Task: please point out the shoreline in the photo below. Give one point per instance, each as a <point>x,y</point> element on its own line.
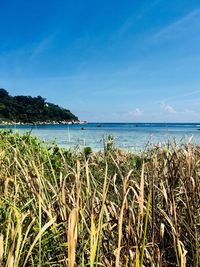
<point>12,123</point>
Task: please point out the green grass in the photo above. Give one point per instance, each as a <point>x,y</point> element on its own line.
<point>110,208</point>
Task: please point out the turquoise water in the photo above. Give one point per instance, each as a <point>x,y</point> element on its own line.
<point>131,136</point>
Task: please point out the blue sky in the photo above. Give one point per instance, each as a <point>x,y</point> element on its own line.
<point>105,60</point>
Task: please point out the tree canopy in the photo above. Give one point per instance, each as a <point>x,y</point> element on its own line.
<point>28,109</point>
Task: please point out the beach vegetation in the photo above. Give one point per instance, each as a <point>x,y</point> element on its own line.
<point>62,207</point>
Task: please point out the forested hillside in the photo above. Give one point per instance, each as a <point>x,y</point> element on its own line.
<point>28,109</point>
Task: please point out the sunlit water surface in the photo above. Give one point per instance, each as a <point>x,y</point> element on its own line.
<point>130,136</point>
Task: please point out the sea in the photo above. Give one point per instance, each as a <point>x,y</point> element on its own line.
<point>128,136</point>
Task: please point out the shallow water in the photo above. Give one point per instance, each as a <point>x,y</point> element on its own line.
<point>130,136</point>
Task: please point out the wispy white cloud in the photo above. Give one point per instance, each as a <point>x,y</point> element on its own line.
<point>181,96</point>
<point>130,115</point>
<point>177,24</point>
<point>129,22</point>
<point>167,108</point>
<point>135,112</point>
<point>168,112</point>
<point>40,47</point>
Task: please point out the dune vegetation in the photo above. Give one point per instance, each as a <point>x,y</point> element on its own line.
<point>111,208</point>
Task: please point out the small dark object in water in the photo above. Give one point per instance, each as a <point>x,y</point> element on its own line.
<point>82,128</point>
<point>198,129</point>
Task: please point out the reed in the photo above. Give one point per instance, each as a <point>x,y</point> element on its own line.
<point>110,208</point>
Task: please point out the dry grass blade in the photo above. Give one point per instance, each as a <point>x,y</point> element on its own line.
<point>93,242</point>
<point>182,253</point>
<point>72,236</point>
<point>120,234</point>
<point>141,195</point>
<point>10,262</point>
<point>1,247</point>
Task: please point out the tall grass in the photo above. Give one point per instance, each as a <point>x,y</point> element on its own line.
<point>111,208</point>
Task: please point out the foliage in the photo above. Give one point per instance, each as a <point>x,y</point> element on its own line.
<point>63,208</point>
<point>87,151</point>
<point>29,109</point>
